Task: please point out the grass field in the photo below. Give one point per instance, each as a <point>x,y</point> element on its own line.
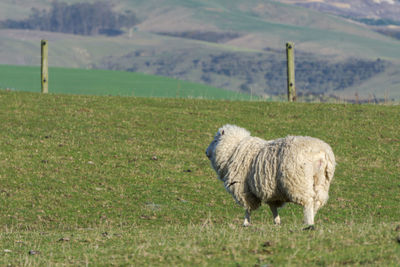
<point>95,180</point>
<point>105,82</point>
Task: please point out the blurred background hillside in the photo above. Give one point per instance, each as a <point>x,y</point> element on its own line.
<point>344,49</point>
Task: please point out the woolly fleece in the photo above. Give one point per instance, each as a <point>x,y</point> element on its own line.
<point>296,169</point>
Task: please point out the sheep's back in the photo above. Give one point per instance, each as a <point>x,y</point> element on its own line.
<point>262,178</point>
<point>283,163</point>
<point>241,160</point>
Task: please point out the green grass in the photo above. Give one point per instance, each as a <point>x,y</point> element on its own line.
<point>124,181</point>
<point>103,82</point>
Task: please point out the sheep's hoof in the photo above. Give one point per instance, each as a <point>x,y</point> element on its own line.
<point>246,224</point>
<point>309,228</point>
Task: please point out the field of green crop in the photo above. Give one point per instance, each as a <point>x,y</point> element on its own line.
<point>101,181</point>
<point>104,82</point>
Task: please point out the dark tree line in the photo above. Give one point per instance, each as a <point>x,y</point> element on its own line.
<point>208,36</point>
<point>377,22</point>
<point>252,72</point>
<point>337,76</point>
<point>312,75</point>
<point>394,33</point>
<point>80,18</point>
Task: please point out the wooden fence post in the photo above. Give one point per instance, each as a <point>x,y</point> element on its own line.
<point>290,72</point>
<point>44,67</point>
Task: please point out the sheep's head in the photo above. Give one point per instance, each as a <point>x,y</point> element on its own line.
<point>225,141</point>
<point>211,149</point>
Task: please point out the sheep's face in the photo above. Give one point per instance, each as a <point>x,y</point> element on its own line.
<point>210,152</point>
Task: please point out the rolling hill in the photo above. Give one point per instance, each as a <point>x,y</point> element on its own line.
<point>105,82</point>
<point>373,9</point>
<point>185,39</point>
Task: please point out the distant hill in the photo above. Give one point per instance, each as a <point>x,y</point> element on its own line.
<point>382,16</point>
<point>372,9</point>
<point>232,44</point>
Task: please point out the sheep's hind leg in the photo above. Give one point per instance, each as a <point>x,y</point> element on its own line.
<point>274,209</point>
<point>246,222</point>
<point>309,215</point>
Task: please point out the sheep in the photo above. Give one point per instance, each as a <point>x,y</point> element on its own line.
<point>297,169</point>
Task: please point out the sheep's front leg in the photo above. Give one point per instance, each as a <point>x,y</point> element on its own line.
<point>274,209</point>
<point>247,218</point>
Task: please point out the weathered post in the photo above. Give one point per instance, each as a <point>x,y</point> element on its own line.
<point>290,72</point>
<point>44,67</point>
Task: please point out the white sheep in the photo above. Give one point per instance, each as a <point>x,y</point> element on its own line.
<point>296,169</point>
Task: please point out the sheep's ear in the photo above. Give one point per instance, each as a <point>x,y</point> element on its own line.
<point>222,132</point>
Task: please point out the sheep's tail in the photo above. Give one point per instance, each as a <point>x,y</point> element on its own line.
<point>323,180</point>
<point>330,165</point>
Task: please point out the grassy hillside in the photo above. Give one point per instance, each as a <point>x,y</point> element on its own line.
<point>201,62</point>
<point>273,24</point>
<point>103,82</point>
<point>124,181</point>
<point>269,23</point>
<point>262,27</point>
